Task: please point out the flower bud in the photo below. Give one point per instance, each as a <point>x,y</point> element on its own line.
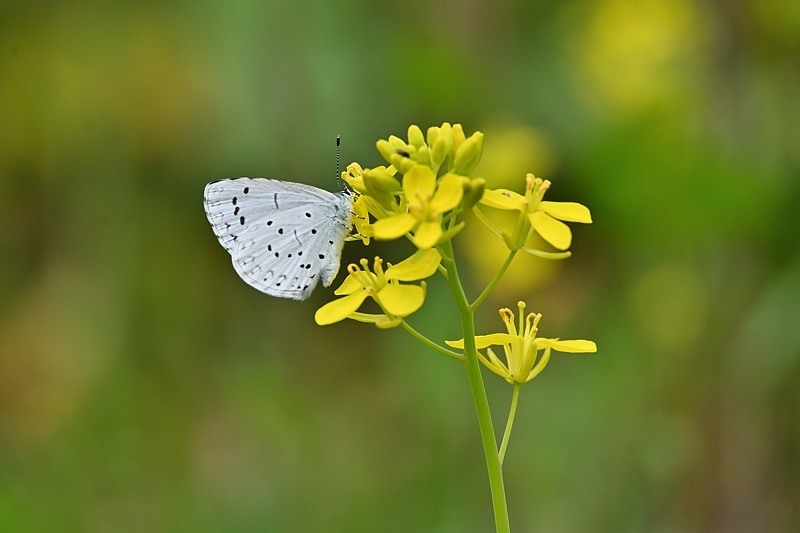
<point>439,150</point>
<point>473,192</point>
<point>468,154</point>
<point>433,134</point>
<point>385,149</point>
<point>398,143</point>
<point>415,137</point>
<point>402,163</point>
<point>379,180</point>
<point>423,156</point>
<point>458,139</point>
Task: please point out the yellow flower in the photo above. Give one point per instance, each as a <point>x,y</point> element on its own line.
<point>544,217</point>
<point>427,201</point>
<point>375,189</point>
<point>522,347</point>
<point>396,300</point>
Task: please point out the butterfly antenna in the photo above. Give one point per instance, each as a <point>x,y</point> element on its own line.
<point>338,174</point>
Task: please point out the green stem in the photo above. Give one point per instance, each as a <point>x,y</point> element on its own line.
<point>429,343</point>
<point>510,423</point>
<point>478,394</point>
<point>495,280</point>
<point>485,221</point>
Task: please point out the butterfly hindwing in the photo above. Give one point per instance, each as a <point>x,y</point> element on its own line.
<point>283,258</point>
<point>283,237</point>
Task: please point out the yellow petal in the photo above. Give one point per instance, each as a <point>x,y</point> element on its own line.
<point>542,254</point>
<point>339,309</point>
<point>553,231</point>
<point>401,300</point>
<point>503,199</point>
<point>421,265</point>
<point>348,286</point>
<point>567,211</point>
<point>495,365</point>
<point>355,182</point>
<point>381,321</point>
<point>394,226</point>
<point>448,194</point>
<point>482,341</point>
<point>427,235</point>
<point>574,346</point>
<point>419,180</point>
<point>539,366</point>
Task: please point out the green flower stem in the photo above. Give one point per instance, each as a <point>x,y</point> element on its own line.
<point>478,394</point>
<point>429,343</point>
<point>485,221</point>
<point>492,284</point>
<point>510,423</point>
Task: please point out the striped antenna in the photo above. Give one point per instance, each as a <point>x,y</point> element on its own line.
<point>338,174</point>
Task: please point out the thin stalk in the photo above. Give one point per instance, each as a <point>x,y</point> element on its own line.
<point>478,390</point>
<point>495,280</point>
<point>510,423</point>
<point>429,343</point>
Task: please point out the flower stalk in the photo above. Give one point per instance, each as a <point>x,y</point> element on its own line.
<point>478,390</point>
<point>512,411</point>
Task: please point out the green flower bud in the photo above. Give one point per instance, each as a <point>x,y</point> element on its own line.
<point>423,156</point>
<point>385,149</point>
<point>402,163</point>
<point>380,185</point>
<point>415,137</point>
<point>473,192</point>
<point>398,143</point>
<point>439,150</point>
<point>458,139</point>
<point>379,179</point>
<point>433,134</point>
<point>468,154</point>
<point>446,131</point>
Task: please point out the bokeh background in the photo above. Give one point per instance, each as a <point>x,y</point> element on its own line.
<point>145,387</point>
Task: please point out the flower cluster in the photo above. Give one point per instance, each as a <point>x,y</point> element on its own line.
<point>418,196</point>
<point>421,194</point>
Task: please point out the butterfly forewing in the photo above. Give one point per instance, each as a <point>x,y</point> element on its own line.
<point>283,237</point>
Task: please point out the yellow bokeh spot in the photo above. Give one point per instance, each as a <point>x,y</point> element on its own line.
<point>636,53</point>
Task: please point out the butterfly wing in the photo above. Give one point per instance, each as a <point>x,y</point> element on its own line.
<point>283,237</point>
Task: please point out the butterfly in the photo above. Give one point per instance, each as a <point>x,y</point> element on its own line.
<point>283,237</point>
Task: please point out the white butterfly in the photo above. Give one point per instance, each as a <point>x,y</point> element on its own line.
<point>283,237</point>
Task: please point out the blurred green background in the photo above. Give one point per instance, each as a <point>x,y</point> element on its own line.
<point>145,387</point>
